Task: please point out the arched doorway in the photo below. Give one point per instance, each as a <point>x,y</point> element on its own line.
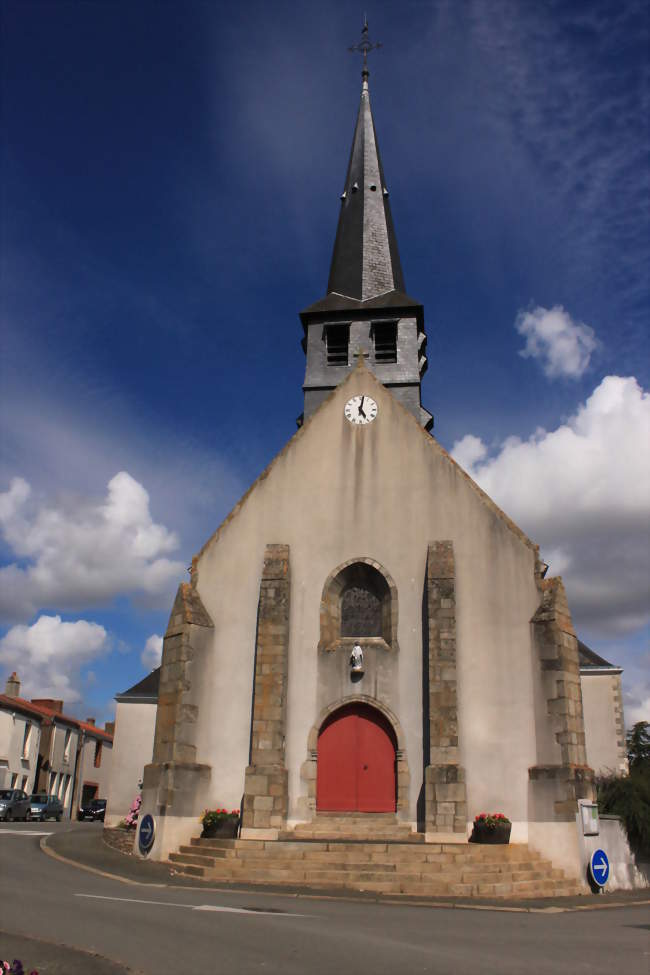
<point>356,762</point>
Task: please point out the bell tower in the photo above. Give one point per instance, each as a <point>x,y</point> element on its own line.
<point>366,310</point>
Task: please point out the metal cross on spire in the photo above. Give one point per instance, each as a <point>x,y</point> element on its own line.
<point>365,46</point>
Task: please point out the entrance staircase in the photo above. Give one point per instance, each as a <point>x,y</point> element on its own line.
<point>376,854</point>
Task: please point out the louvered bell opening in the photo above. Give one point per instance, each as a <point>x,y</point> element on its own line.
<point>385,338</point>
<point>337,342</point>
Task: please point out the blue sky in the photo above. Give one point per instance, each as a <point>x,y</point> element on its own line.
<point>170,183</point>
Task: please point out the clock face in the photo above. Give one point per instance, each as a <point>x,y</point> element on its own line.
<point>360,409</point>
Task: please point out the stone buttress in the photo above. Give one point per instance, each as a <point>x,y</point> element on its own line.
<point>556,787</point>
<point>175,784</point>
<point>444,778</point>
<point>266,781</point>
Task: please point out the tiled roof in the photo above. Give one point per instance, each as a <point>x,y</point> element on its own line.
<point>38,711</point>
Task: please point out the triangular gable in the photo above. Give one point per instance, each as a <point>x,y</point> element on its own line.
<point>428,441</point>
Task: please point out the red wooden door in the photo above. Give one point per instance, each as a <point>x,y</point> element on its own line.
<point>356,762</point>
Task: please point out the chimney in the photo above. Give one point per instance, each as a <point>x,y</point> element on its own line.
<point>12,687</point>
<point>90,721</point>
<point>109,727</point>
<point>49,703</point>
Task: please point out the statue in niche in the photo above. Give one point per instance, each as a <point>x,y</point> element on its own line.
<point>356,659</point>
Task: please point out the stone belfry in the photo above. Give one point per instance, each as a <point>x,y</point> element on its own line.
<point>366,310</point>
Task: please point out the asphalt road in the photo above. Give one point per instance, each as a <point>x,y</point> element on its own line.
<point>157,929</point>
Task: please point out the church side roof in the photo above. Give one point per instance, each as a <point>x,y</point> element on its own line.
<point>365,261</point>
<point>144,691</point>
<point>590,660</point>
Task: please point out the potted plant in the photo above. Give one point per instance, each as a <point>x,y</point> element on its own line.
<point>220,822</point>
<point>491,828</point>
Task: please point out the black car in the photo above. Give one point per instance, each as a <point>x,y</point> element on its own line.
<point>95,809</point>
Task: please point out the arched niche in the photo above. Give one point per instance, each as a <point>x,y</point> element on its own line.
<point>359,603</point>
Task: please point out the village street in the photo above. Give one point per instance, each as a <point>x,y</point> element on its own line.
<point>161,927</point>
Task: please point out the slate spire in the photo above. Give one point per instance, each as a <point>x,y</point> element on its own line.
<point>365,262</point>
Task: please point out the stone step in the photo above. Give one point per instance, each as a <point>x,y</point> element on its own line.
<point>333,874</point>
<point>390,867</point>
<point>520,870</point>
<point>410,885</point>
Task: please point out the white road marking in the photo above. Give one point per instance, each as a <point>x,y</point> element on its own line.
<point>191,907</point>
<point>22,832</point>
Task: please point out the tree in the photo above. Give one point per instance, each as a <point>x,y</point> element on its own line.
<point>638,747</point>
<point>628,796</point>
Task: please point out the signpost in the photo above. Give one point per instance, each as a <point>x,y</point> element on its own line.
<point>147,834</point>
<point>599,867</point>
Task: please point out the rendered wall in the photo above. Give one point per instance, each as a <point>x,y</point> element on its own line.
<point>604,728</point>
<point>132,750</point>
<point>88,772</point>
<point>384,491</point>
<point>12,735</point>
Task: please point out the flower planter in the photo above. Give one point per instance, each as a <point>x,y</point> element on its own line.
<point>225,830</point>
<point>499,834</point>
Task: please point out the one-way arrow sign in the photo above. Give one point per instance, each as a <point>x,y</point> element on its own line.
<point>599,867</point>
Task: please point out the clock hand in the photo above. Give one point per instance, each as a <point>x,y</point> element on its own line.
<point>361,413</point>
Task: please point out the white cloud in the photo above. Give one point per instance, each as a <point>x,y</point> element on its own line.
<point>583,493</point>
<point>562,346</point>
<point>152,653</point>
<point>79,552</point>
<point>48,655</point>
<point>637,712</point>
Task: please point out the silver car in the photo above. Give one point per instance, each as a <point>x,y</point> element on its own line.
<point>43,807</point>
<point>14,804</point>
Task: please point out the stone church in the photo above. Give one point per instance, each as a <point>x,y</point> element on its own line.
<point>367,632</point>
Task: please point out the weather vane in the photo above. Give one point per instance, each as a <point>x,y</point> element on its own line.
<point>365,46</point>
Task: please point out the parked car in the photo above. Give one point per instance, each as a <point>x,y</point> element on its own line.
<point>14,804</point>
<point>43,806</point>
<point>95,809</point>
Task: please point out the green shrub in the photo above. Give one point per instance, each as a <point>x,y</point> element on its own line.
<point>629,796</point>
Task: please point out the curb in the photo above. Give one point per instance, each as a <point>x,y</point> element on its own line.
<point>347,896</point>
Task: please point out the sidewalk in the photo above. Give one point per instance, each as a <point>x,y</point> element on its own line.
<point>48,958</point>
<point>89,851</point>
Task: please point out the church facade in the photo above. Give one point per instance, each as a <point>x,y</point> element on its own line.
<point>367,632</point>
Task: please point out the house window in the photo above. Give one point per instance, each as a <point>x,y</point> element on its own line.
<point>27,739</point>
<point>52,783</point>
<point>14,780</point>
<point>98,754</point>
<point>23,785</point>
<point>337,341</point>
<point>385,338</point>
<point>66,791</point>
<point>66,746</point>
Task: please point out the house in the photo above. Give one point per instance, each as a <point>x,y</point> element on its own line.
<point>20,734</point>
<point>44,750</point>
<point>135,719</point>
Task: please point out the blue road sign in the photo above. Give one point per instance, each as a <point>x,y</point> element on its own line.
<point>147,833</point>
<point>599,867</point>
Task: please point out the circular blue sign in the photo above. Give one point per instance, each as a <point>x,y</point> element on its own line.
<point>146,834</point>
<point>599,867</point>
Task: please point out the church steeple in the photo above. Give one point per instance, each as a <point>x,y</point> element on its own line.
<point>366,310</point>
<point>365,262</point>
